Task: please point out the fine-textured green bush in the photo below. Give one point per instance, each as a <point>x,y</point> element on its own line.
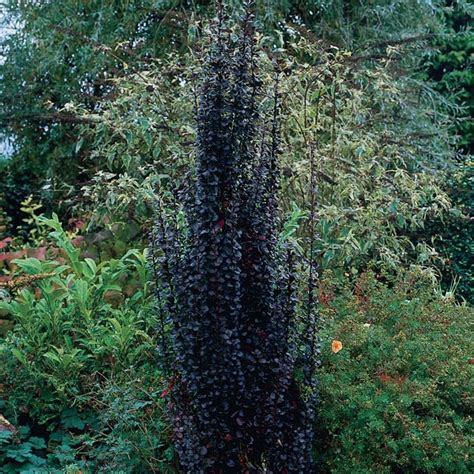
<point>454,235</point>
<point>396,397</point>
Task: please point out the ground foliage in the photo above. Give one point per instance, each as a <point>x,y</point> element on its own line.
<point>391,397</point>
<point>80,382</point>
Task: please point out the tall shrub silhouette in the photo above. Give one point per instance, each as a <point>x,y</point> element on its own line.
<point>241,379</point>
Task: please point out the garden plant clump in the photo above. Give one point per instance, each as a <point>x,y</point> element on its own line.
<point>397,397</point>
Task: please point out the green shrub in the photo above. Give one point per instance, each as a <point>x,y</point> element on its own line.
<point>396,397</point>
<point>136,435</point>
<point>77,367</point>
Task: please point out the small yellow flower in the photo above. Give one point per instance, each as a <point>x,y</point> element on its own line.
<point>336,346</point>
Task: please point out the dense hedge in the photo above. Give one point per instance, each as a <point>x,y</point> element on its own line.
<point>450,69</point>
<point>397,397</point>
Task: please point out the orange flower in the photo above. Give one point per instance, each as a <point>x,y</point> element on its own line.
<point>336,346</point>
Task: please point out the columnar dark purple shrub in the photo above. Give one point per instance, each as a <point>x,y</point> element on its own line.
<point>242,381</point>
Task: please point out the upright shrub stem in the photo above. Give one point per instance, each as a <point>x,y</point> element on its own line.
<point>230,288</point>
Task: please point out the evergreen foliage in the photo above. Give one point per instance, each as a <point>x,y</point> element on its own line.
<point>397,396</point>
<point>451,67</point>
